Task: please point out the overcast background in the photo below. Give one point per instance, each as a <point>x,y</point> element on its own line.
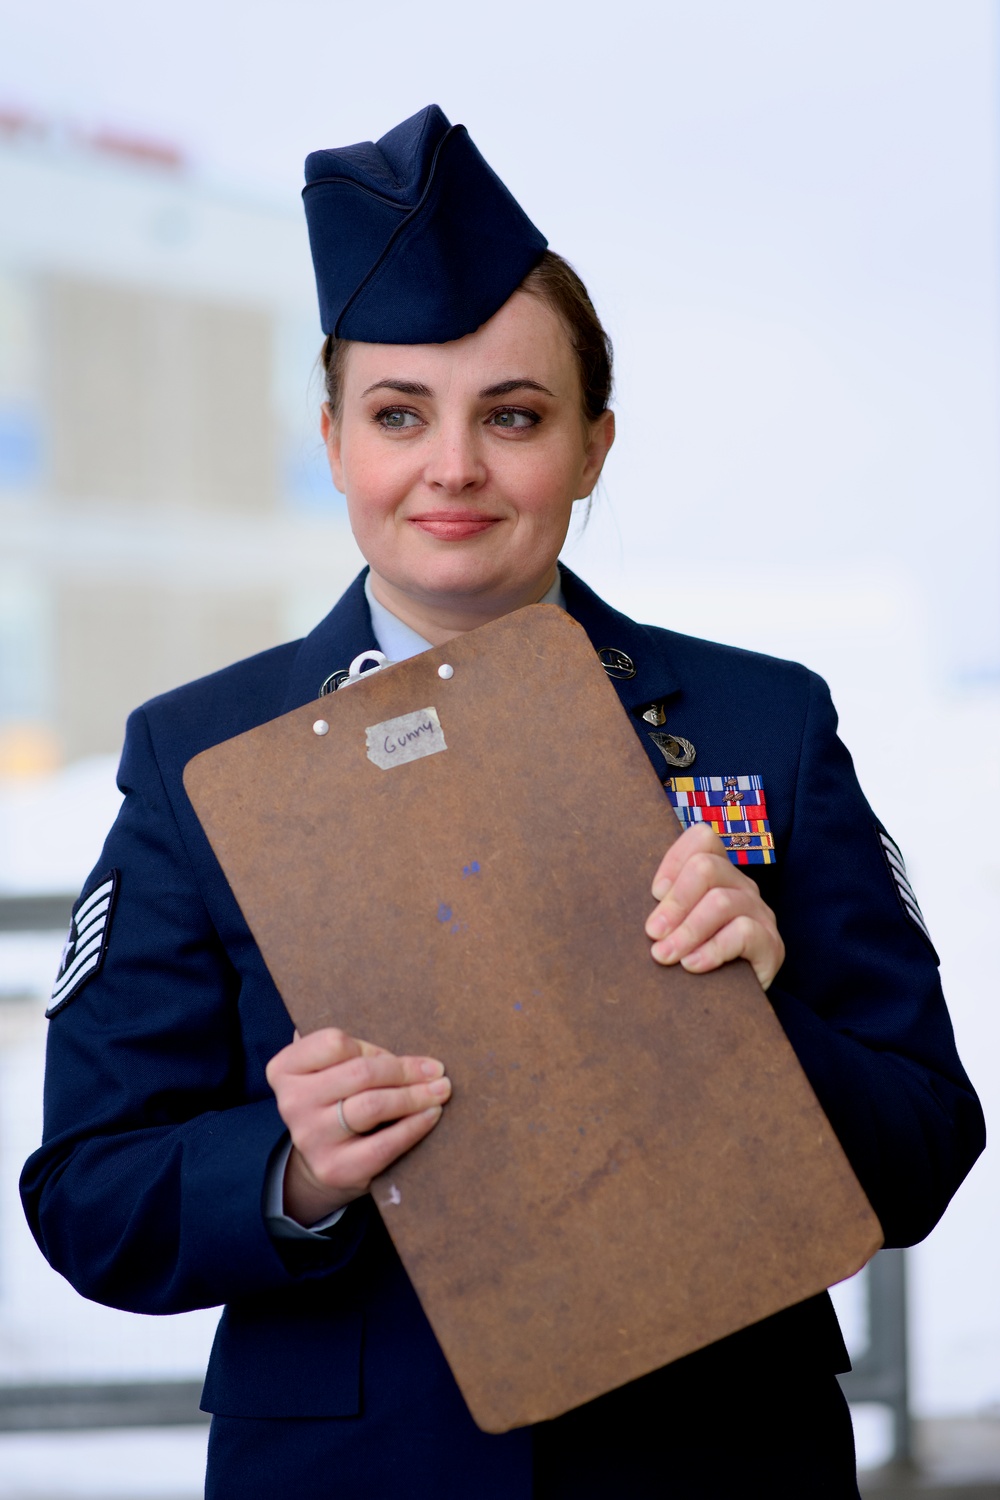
<point>786,213</point>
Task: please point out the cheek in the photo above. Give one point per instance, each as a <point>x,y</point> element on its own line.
<point>375,481</point>
<point>545,480</point>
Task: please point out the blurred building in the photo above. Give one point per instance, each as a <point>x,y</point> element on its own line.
<point>165,505</point>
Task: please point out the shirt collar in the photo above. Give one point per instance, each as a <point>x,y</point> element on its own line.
<point>399,641</point>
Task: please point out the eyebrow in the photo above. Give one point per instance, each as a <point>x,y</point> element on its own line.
<point>506,387</point>
<point>503,388</point>
<point>404,387</point>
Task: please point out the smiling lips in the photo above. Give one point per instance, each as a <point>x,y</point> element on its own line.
<point>453,526</point>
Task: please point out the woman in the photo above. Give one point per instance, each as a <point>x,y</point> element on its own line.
<point>196,1152</point>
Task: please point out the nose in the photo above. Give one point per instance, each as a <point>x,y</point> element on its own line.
<point>454,463</point>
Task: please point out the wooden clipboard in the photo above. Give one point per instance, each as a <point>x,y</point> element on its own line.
<point>633,1164</point>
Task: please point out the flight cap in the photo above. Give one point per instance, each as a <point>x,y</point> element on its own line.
<point>415,240</point>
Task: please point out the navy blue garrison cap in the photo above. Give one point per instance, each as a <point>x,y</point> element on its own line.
<point>414,238</point>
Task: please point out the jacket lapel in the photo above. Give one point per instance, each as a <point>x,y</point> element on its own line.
<point>336,641</point>
<point>654,678</point>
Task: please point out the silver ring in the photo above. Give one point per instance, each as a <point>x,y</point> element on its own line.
<point>342,1122</point>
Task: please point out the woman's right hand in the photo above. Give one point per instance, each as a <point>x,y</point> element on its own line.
<point>328,1166</point>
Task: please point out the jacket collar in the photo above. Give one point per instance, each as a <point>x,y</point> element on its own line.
<point>333,644</point>
<point>605,626</point>
<point>654,679</point>
<point>347,631</point>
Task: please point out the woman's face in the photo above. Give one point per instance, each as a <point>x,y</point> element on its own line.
<point>460,463</point>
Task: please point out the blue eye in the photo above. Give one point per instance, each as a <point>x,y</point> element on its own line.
<point>512,420</point>
<point>396,418</point>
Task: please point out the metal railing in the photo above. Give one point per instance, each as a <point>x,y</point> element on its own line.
<point>35,913</point>
<point>881,1372</point>
<point>138,1403</point>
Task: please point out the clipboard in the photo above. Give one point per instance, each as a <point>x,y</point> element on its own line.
<point>633,1164</point>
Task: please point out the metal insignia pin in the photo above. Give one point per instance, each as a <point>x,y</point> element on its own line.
<point>333,682</point>
<point>675,749</point>
<point>653,713</point>
<point>617,664</point>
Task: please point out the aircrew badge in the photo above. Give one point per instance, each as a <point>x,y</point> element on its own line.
<point>734,806</point>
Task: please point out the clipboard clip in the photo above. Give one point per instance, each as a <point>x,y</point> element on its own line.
<point>345,675</point>
<point>356,670</point>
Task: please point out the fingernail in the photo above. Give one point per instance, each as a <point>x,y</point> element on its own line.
<point>431,1069</point>
<point>433,1112</point>
<point>440,1089</point>
<point>660,888</point>
<point>656,926</point>
<point>664,953</point>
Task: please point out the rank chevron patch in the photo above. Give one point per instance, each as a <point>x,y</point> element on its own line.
<point>897,869</point>
<point>87,943</point>
<point>735,806</point>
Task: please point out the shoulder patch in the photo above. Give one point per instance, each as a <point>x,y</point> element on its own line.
<point>87,942</point>
<point>735,806</point>
<point>904,890</point>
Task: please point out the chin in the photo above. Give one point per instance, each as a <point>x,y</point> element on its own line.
<point>465,571</point>
<point>462,582</point>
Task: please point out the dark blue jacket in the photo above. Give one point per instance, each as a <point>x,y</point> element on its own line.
<point>146,1193</point>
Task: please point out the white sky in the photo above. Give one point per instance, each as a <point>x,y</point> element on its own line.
<point>786,213</point>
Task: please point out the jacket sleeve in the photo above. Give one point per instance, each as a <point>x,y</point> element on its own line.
<point>147,1191</point>
<point>859,996</point>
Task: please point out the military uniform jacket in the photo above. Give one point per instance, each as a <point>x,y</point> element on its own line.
<point>159,1124</point>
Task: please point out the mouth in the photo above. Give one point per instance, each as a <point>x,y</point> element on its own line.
<point>453,526</point>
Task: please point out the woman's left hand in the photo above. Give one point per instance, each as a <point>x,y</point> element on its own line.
<point>709,912</point>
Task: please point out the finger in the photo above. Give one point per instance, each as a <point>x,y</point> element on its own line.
<point>700,836</point>
<point>320,1049</point>
<point>304,1098</point>
<point>350,1165</point>
<point>374,1154</point>
<point>718,906</point>
<point>384,1071</point>
<point>365,1046</point>
<point>329,1047</point>
<point>703,870</point>
<point>364,1112</point>
<point>369,1049</point>
<point>741,938</point>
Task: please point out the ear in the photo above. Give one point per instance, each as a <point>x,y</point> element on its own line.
<point>600,436</point>
<point>330,433</point>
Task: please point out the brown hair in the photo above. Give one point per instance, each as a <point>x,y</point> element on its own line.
<point>555,283</point>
